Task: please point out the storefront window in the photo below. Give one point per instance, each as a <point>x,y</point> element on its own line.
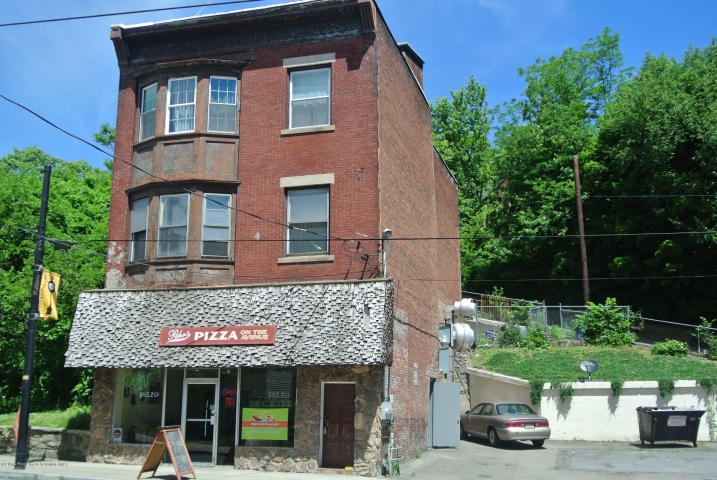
<point>268,398</point>
<point>227,416</point>
<point>138,405</point>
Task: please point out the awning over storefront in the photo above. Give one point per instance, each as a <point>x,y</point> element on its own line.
<point>342,323</point>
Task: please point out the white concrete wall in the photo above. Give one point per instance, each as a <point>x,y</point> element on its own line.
<point>593,413</point>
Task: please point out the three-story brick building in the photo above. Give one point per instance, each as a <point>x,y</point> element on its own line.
<point>283,243</point>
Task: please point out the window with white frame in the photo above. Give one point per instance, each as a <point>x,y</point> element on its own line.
<point>173,218</point>
<point>222,104</point>
<point>216,225</point>
<point>148,112</point>
<point>310,95</point>
<point>138,230</point>
<point>180,105</point>
<point>307,219</point>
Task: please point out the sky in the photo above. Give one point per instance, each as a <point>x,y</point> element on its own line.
<point>67,72</point>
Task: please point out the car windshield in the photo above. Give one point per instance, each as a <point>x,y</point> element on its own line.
<point>513,408</point>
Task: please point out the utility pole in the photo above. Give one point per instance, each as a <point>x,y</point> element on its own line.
<point>581,231</point>
<point>22,453</point>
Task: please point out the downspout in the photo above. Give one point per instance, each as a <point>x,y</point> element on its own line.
<point>386,369</point>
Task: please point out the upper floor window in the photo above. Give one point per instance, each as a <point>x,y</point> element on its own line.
<point>138,230</point>
<point>180,105</point>
<point>307,219</point>
<point>216,225</point>
<point>148,112</point>
<point>222,104</point>
<point>310,95</point>
<point>173,218</point>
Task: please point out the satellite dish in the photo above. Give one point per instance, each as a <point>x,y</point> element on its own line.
<point>588,366</point>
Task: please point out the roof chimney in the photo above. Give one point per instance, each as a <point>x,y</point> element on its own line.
<point>415,62</point>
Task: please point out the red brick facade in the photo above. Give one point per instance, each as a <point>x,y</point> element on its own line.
<point>377,159</point>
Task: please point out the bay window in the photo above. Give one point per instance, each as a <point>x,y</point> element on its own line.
<point>222,104</point>
<point>173,219</point>
<point>181,103</point>
<point>216,225</point>
<point>138,230</point>
<point>148,112</point>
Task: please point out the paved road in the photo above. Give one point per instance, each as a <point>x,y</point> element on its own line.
<point>471,460</point>
<point>558,460</point>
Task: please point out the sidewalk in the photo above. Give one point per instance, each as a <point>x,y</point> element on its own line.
<point>558,460</point>
<point>65,470</point>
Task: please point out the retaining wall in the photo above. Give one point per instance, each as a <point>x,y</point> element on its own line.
<point>593,413</point>
<point>49,443</point>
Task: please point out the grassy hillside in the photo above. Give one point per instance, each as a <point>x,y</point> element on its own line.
<point>559,364</point>
<point>74,417</point>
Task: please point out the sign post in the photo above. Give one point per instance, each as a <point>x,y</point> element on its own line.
<point>168,439</point>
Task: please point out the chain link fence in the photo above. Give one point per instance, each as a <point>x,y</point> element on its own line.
<point>649,330</point>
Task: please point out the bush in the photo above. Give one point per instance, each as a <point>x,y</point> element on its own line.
<point>672,348</point>
<point>707,337</point>
<point>536,338</point>
<point>510,337</point>
<point>607,325</point>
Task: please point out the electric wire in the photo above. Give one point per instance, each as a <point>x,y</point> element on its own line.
<point>333,238</point>
<point>129,12</point>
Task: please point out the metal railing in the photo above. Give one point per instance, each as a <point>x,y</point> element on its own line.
<point>648,330</point>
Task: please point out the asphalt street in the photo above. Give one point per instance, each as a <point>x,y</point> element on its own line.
<point>472,459</point>
<point>475,459</point>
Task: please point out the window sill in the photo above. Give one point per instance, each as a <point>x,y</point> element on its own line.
<point>306,259</point>
<point>312,129</point>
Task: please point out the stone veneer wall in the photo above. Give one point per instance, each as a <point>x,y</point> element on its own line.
<point>303,457</point>
<point>49,443</point>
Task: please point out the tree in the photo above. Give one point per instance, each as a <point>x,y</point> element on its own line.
<point>78,210</point>
<point>106,137</point>
<point>461,127</point>
<point>658,145</point>
<point>555,119</point>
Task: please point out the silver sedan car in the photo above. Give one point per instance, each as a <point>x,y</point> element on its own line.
<point>505,422</point>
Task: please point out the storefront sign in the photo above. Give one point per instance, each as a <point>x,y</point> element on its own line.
<point>203,336</point>
<point>264,423</point>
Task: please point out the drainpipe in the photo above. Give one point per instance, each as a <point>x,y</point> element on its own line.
<point>384,242</point>
<point>387,232</point>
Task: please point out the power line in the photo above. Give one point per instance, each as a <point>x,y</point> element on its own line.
<point>161,179</point>
<point>130,12</point>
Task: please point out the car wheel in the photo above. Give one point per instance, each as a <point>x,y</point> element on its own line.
<point>464,435</point>
<point>538,443</point>
<point>493,438</point>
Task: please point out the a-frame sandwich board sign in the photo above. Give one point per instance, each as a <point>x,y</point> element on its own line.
<point>168,439</point>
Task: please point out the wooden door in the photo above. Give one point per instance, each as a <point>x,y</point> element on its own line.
<point>338,428</point>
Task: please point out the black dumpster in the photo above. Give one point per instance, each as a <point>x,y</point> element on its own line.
<point>668,423</point>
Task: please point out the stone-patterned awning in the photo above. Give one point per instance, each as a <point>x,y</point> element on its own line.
<point>342,323</point>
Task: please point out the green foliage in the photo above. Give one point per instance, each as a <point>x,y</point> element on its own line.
<point>666,387</point>
<point>78,208</point>
<point>562,364</point>
<point>536,391</point>
<point>510,337</point>
<point>537,338</point>
<point>708,384</point>
<point>82,391</point>
<point>706,336</point>
<point>75,417</point>
<point>565,390</point>
<point>534,187</point>
<point>606,324</point>
<point>671,347</point>
<point>616,387</point>
<point>656,141</point>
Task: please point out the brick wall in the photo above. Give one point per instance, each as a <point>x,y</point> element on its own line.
<point>418,198</point>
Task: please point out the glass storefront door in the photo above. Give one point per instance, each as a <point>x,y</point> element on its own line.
<point>199,419</point>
